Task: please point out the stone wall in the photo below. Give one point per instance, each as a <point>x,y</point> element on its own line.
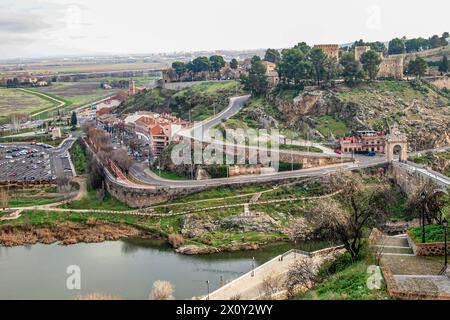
<point>428,249</point>
<point>137,197</point>
<point>331,50</point>
<point>408,181</point>
<point>359,50</point>
<point>391,67</point>
<point>312,161</point>
<point>396,293</point>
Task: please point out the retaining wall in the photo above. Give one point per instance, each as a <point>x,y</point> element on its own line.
<point>428,249</point>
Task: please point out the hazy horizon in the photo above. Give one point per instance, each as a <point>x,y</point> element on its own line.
<point>53,28</point>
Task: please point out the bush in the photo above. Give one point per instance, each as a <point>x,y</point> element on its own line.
<point>162,290</point>
<point>176,240</point>
<point>331,267</point>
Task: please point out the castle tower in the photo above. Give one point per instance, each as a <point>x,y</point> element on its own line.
<point>132,87</point>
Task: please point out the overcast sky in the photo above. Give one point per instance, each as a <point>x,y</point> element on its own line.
<point>30,28</point>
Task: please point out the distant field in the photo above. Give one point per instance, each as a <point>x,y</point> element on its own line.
<point>42,69</point>
<point>76,94</point>
<point>140,81</point>
<point>16,101</point>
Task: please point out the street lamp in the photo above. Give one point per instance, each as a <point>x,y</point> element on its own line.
<point>207,285</point>
<point>423,197</point>
<point>445,225</point>
<point>253,266</point>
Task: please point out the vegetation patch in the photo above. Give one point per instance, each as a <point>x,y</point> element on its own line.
<point>433,233</point>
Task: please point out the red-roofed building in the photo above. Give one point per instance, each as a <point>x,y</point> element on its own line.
<point>158,139</point>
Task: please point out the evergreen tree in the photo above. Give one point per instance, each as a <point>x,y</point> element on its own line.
<point>371,62</point>
<point>73,119</point>
<point>444,64</point>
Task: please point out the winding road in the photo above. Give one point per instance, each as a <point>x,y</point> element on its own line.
<point>141,173</point>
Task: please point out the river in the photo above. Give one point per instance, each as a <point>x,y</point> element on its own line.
<point>125,268</point>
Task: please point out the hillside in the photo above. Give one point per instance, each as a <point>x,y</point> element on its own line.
<point>201,99</point>
<point>421,112</point>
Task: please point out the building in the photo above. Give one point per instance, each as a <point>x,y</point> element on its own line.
<point>391,67</point>
<point>56,133</point>
<point>366,141</point>
<point>373,141</point>
<point>159,140</point>
<point>350,144</point>
<point>158,130</point>
<point>331,50</point>
<point>359,50</point>
<point>272,75</point>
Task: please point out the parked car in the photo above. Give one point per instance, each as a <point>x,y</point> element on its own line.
<point>371,154</point>
<point>338,151</point>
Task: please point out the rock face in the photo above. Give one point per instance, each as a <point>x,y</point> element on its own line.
<point>193,249</point>
<point>193,226</point>
<point>423,114</point>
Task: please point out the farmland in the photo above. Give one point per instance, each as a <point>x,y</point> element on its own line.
<point>42,69</point>
<point>16,101</point>
<point>75,94</point>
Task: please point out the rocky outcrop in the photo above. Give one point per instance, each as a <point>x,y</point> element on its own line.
<point>193,249</point>
<point>193,226</point>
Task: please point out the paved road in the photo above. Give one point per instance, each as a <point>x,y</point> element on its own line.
<point>141,172</point>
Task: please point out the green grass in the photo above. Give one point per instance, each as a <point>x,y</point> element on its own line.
<point>169,175</point>
<point>16,101</point>
<point>222,192</point>
<point>79,158</point>
<point>433,233</point>
<point>300,148</point>
<point>139,80</point>
<point>46,138</point>
<point>24,202</point>
<point>223,237</point>
<point>348,282</point>
<point>328,125</point>
<point>163,225</point>
<point>91,201</point>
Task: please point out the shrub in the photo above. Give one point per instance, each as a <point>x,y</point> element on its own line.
<point>162,290</point>
<point>91,221</point>
<point>176,240</point>
<point>331,267</point>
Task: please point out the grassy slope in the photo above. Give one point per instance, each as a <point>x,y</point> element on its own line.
<point>398,101</point>
<point>200,98</point>
<point>347,284</point>
<point>79,158</point>
<point>91,201</point>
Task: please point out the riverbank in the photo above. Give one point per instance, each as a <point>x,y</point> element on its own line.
<point>67,233</point>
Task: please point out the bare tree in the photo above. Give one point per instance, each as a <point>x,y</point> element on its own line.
<point>299,229</point>
<point>356,209</point>
<point>63,184</point>
<point>162,290</point>
<point>4,198</point>
<point>121,158</point>
<point>301,275</point>
<point>269,287</point>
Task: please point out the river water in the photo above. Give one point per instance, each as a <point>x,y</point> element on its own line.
<point>124,268</point>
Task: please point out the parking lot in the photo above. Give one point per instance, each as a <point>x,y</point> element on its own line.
<point>32,162</point>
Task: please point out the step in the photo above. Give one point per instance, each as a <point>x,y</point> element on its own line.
<point>394,241</point>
